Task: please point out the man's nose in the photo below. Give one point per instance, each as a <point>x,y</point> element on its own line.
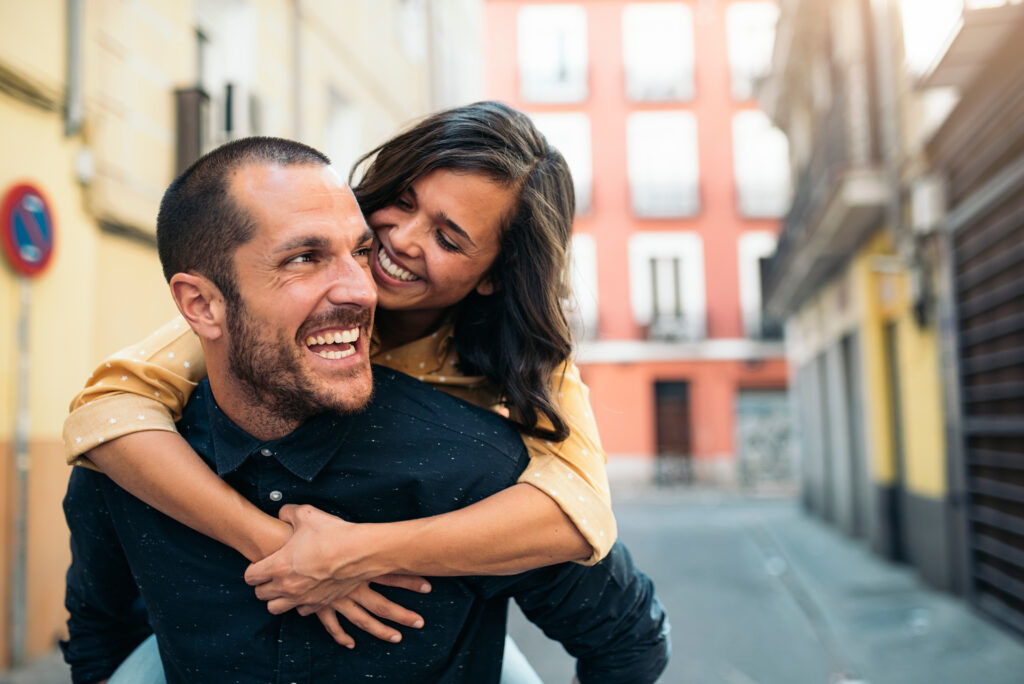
<point>352,284</point>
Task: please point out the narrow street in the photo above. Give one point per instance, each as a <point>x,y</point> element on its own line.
<point>758,592</point>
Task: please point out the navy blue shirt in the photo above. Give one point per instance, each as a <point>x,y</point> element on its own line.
<point>412,452</point>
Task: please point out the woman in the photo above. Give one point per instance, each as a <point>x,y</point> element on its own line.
<point>473,212</point>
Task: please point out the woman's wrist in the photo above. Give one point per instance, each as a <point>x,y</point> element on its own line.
<point>262,536</point>
<point>368,550</point>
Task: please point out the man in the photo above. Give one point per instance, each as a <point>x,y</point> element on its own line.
<point>285,418</point>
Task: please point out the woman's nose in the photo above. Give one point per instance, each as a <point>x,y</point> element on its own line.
<point>406,235</point>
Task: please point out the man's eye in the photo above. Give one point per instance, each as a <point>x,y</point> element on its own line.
<point>303,258</point>
<point>362,252</point>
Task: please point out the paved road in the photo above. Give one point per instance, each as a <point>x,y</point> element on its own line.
<point>759,593</point>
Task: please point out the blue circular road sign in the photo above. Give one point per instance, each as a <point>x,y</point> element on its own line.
<point>27,229</point>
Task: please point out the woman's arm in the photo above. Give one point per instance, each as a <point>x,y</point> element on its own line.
<point>573,472</point>
<point>514,530</point>
<point>161,469</point>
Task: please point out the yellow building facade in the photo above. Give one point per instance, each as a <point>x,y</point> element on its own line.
<point>850,279</point>
<point>99,104</point>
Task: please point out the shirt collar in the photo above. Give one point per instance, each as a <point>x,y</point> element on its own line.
<point>304,452</point>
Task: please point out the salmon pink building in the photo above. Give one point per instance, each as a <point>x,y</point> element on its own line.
<point>680,184</point>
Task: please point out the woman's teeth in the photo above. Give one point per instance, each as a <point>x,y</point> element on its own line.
<point>391,269</point>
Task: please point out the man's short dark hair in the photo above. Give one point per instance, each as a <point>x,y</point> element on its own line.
<point>200,225</point>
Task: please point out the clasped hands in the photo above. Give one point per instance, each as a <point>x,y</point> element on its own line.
<point>325,567</point>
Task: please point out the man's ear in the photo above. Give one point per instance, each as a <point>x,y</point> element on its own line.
<point>201,303</point>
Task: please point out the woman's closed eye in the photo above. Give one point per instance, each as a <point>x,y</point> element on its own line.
<point>446,244</point>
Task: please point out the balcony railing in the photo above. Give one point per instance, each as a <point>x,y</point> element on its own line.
<point>834,155</point>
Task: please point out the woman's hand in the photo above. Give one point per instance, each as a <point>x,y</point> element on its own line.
<point>310,573</point>
<point>360,608</point>
<point>324,560</point>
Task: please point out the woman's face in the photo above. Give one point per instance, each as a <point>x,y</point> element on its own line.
<point>436,243</point>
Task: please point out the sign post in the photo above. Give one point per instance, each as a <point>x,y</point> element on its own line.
<point>27,237</point>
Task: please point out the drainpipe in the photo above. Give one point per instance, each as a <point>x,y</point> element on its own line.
<point>297,69</point>
<point>889,115</point>
<point>74,111</point>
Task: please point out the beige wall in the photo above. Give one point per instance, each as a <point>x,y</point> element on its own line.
<point>103,290</point>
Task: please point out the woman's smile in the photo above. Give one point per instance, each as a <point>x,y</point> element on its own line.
<point>391,268</point>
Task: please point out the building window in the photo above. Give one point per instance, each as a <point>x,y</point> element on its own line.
<point>343,137</point>
<point>662,164</point>
<point>750,34</point>
<point>227,51</point>
<point>666,284</point>
<point>582,308</point>
<point>553,53</point>
<point>761,165</point>
<point>657,46</point>
<point>569,133</point>
<point>752,247</point>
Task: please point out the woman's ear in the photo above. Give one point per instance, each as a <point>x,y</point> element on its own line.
<point>201,303</point>
<point>486,286</point>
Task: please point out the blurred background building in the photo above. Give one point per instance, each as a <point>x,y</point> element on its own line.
<point>101,105</point>
<point>680,182</point>
<point>898,273</point>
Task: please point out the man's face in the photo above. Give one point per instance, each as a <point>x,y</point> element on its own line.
<point>300,336</point>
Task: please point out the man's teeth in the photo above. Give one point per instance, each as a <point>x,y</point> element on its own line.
<point>334,337</point>
<point>391,269</point>
<point>336,354</point>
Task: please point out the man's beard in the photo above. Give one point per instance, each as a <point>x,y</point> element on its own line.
<point>271,369</point>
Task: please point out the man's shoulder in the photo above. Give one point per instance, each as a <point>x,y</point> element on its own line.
<point>417,401</point>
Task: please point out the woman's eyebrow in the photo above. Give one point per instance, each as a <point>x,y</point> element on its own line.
<point>456,227</point>
<point>447,221</point>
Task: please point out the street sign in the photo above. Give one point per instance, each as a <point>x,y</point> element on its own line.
<point>26,229</point>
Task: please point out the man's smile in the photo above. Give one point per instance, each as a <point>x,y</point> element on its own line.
<point>325,343</point>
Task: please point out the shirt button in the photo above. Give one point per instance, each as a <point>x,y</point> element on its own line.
<point>275,495</point>
<point>266,452</point>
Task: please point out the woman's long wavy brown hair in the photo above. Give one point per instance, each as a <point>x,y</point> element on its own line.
<point>519,335</point>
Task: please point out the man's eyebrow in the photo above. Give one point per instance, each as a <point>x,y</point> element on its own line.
<point>366,236</point>
<point>448,222</point>
<point>307,241</point>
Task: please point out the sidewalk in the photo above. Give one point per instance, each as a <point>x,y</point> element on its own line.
<point>759,593</point>
<point>49,669</point>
